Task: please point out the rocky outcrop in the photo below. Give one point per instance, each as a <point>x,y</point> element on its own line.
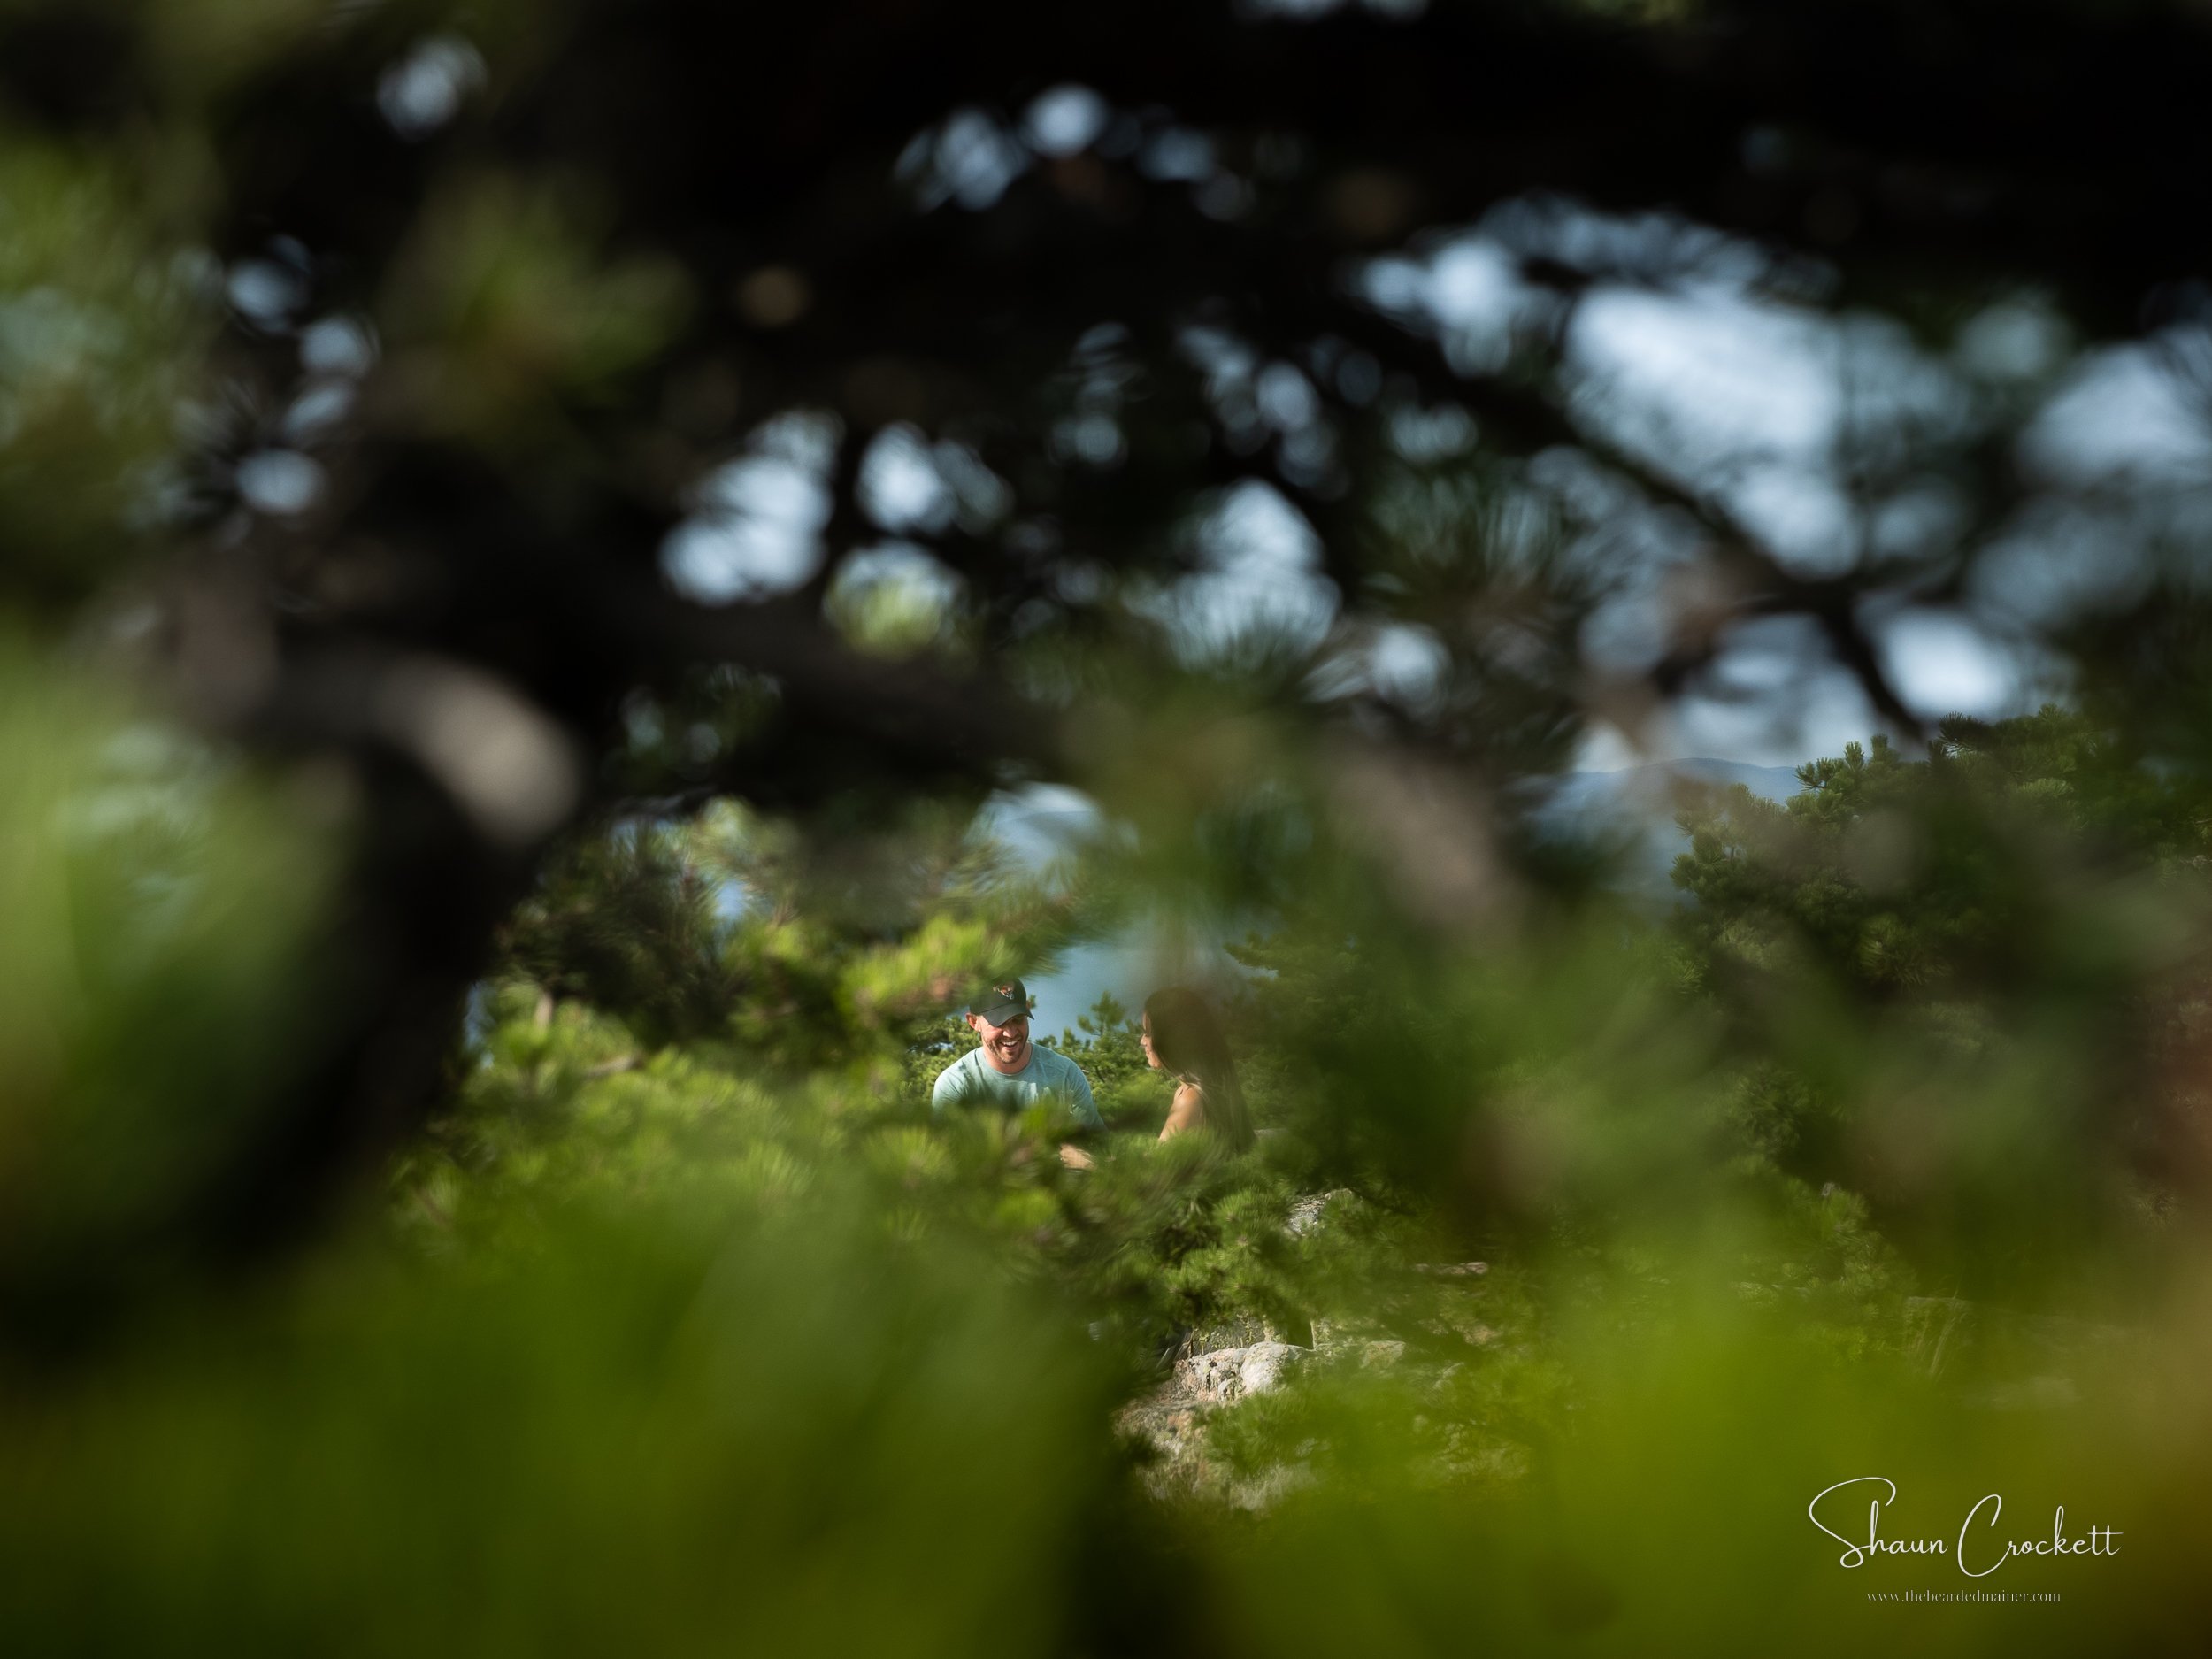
<point>1172,1420</point>
<point>1307,1213</point>
<point>1210,1368</point>
<point>1231,1373</point>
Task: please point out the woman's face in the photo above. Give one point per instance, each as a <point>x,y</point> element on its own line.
<point>1144,1036</point>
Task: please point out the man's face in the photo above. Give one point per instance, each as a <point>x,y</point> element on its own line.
<point>1005,1047</point>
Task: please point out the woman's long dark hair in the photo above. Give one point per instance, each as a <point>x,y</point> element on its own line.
<point>1188,1037</point>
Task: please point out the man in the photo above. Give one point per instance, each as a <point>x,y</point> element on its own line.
<point>1006,1069</point>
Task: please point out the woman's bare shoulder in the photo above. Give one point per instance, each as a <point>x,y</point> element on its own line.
<point>1188,1111</point>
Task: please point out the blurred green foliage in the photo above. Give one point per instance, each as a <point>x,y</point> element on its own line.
<point>689,1326</point>
<point>155,986</point>
<point>686,1324</point>
<point>503,313</point>
<point>1974,985</point>
<point>105,312</point>
<point>759,1434</point>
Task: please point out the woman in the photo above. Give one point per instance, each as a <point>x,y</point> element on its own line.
<point>1182,1038</point>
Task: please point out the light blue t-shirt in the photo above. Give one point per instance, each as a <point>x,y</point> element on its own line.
<point>970,1077</point>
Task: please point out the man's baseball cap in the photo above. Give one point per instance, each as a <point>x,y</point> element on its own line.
<point>1001,1002</point>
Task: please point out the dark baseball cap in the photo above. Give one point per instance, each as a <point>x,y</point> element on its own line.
<point>1002,1001</point>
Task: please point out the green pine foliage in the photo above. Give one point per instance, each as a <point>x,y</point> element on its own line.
<point>687,1287</point>
<point>1985,960</point>
<point>663,1028</point>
